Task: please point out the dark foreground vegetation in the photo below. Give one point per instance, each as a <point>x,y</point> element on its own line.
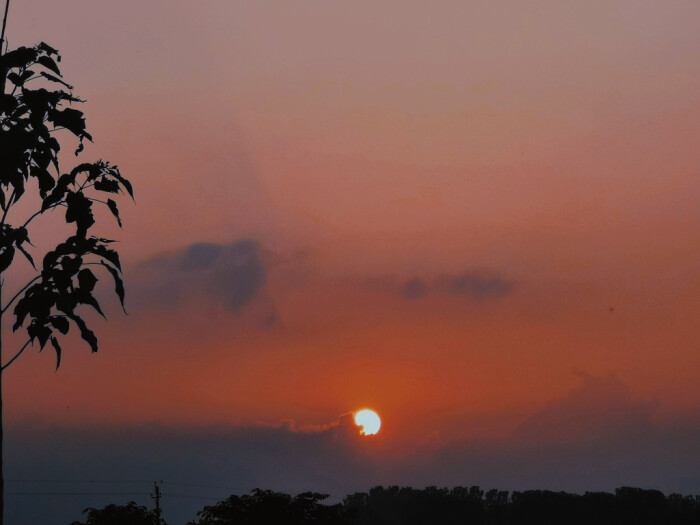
<point>439,506</point>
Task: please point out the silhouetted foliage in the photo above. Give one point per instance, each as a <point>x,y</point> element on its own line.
<point>29,150</point>
<point>405,505</point>
<point>37,107</point>
<point>642,506</point>
<point>129,514</point>
<point>264,507</point>
<point>461,505</point>
<point>496,507</point>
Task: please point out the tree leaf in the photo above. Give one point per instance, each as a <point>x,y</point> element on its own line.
<point>20,235</point>
<point>80,212</point>
<point>27,255</point>
<point>118,284</point>
<point>40,103</point>
<point>71,119</point>
<point>86,280</point>
<point>18,185</point>
<point>43,46</point>
<point>15,79</point>
<point>26,75</point>
<point>89,299</point>
<point>46,181</point>
<point>58,192</point>
<point>87,334</point>
<point>21,310</point>
<point>20,57</point>
<point>107,185</point>
<point>80,168</point>
<point>111,255</point>
<point>7,254</point>
<point>124,182</point>
<point>66,303</point>
<point>37,330</point>
<point>71,265</point>
<point>8,103</point>
<point>54,78</point>
<point>60,323</point>
<point>50,64</point>
<point>115,211</point>
<point>56,347</point>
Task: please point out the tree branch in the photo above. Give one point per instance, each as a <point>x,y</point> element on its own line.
<point>21,350</point>
<point>30,219</point>
<point>8,205</point>
<point>4,25</point>
<point>98,200</point>
<point>24,289</point>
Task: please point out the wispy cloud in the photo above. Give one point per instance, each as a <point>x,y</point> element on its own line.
<point>475,284</point>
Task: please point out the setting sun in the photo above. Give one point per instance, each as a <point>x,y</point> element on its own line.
<point>368,421</point>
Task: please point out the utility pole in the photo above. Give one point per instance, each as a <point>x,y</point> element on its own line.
<point>156,497</point>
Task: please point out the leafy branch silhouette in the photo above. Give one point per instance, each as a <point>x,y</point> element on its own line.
<point>36,106</point>
<point>29,119</point>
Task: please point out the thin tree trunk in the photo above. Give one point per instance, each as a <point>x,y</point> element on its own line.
<point>4,25</point>
<point>3,75</point>
<point>2,468</point>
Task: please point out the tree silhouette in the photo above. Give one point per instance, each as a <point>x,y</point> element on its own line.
<point>408,506</point>
<point>129,514</point>
<point>412,506</point>
<point>266,506</point>
<point>36,109</point>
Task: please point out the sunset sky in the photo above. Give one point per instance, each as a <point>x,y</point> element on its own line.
<point>480,219</point>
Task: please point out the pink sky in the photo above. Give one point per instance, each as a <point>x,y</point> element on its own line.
<point>551,147</point>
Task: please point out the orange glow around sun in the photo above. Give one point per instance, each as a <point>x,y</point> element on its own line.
<point>368,421</point>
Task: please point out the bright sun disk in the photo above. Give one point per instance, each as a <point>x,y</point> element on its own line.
<point>368,421</point>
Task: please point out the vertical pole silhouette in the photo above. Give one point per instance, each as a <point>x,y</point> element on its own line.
<point>156,497</point>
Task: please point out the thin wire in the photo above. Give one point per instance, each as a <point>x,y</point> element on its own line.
<point>246,489</point>
<point>138,481</point>
<point>168,495</point>
<point>76,494</point>
<point>77,481</point>
<point>188,496</point>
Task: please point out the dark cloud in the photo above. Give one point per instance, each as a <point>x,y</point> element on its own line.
<point>597,437</point>
<point>200,256</point>
<point>600,410</point>
<point>202,466</point>
<point>231,275</point>
<point>238,273</point>
<point>414,288</point>
<point>478,284</point>
<point>473,284</point>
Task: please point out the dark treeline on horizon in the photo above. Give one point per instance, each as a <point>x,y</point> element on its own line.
<point>440,506</point>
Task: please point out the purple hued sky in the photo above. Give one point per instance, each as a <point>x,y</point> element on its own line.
<point>478,218</point>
